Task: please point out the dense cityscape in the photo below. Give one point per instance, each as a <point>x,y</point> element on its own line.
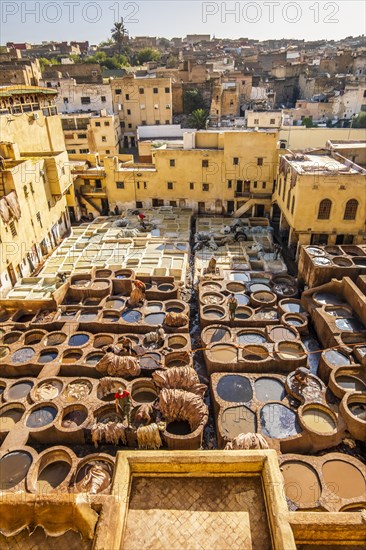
<point>183,293</point>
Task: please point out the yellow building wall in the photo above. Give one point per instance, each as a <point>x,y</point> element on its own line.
<point>43,134</point>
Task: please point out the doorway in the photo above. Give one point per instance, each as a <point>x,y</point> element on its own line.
<point>11,273</point>
<point>230,207</point>
<point>259,210</point>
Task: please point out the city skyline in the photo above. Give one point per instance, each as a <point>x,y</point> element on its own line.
<point>260,20</point>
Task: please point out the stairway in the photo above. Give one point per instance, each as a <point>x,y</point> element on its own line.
<point>97,207</point>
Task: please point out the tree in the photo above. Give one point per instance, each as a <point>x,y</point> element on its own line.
<point>147,54</point>
<point>164,43</point>
<point>192,100</point>
<point>359,121</point>
<point>119,32</point>
<point>308,122</point>
<point>199,119</point>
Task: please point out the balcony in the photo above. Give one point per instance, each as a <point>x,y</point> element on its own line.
<point>88,190</point>
<point>242,194</point>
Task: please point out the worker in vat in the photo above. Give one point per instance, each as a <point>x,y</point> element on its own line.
<point>277,250</point>
<point>137,295</point>
<point>141,218</point>
<point>233,304</point>
<point>160,334</point>
<point>301,376</point>
<point>126,346</point>
<point>212,265</point>
<point>123,403</point>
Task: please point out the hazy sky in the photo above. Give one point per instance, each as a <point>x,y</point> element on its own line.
<point>34,21</point>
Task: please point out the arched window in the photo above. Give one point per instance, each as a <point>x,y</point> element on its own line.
<point>324,209</point>
<point>350,212</point>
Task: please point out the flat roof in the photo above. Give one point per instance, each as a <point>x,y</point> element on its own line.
<point>8,91</point>
<point>309,164</point>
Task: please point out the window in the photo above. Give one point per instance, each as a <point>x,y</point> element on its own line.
<point>143,122</point>
<point>138,185</point>
<point>167,90</point>
<point>104,139</point>
<point>122,124</point>
<point>85,100</point>
<point>364,93</point>
<point>97,124</point>
<point>170,185</point>
<point>13,229</point>
<point>31,188</point>
<point>66,99</point>
<point>167,122</point>
<point>71,151</point>
<point>155,90</point>
<point>191,185</point>
<point>172,162</point>
<point>235,161</point>
<point>288,199</point>
<point>256,121</point>
<point>279,186</point>
<point>84,151</point>
<point>39,219</point>
<point>128,111</point>
<point>255,184</point>
<point>260,161</point>
<point>139,204</point>
<point>145,185</point>
<point>129,125</point>
<point>107,151</point>
<point>106,123</point>
<point>25,191</point>
<point>157,122</point>
<point>293,205</point>
<point>205,164</point>
<point>272,121</point>
<point>205,187</point>
<point>324,209</point>
<point>229,184</point>
<point>127,97</point>
<point>263,184</point>
<point>141,91</point>
<point>118,91</point>
<point>103,99</point>
<point>350,211</point>
<point>120,184</point>
<point>82,136</point>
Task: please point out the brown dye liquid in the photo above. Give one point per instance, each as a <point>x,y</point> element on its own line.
<point>238,420</point>
<point>282,333</point>
<point>301,483</point>
<point>318,420</point>
<point>13,468</point>
<point>73,419</point>
<point>9,418</point>
<point>343,479</point>
<point>223,353</point>
<point>52,476</point>
<point>144,396</point>
<point>180,427</point>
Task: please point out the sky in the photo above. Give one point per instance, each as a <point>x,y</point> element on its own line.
<point>44,20</point>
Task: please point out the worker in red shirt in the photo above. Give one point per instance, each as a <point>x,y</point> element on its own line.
<point>123,403</point>
<point>141,218</point>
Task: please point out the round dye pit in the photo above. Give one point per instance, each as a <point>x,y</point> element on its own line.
<point>333,250</point>
<point>350,325</point>
<point>173,360</point>
<point>74,417</point>
<point>20,390</point>
<point>221,353</point>
<point>263,297</point>
<point>77,390</point>
<point>315,251</point>
<point>11,337</point>
<point>10,417</point>
<point>144,395</point>
<point>219,334</point>
<point>24,317</point>
<point>294,321</point>
<point>358,410</point>
<point>322,261</point>
<point>103,340</point>
<point>210,298</point>
<point>93,359</point>
<point>114,304</point>
<point>154,307</point>
<point>302,484</point>
<point>131,316</point>
<point>110,317</point>
<point>99,285</point>
<point>87,316</point>
<point>178,427</point>
<point>177,342</point>
<point>47,356</point>
<point>259,287</point>
<point>235,388</point>
<point>213,313</point>
<point>243,299</point>
<point>350,383</point>
<point>33,338</point>
<point>292,307</point>
<point>290,351</point>
<point>238,420</point>
<point>71,356</point>
<point>211,286</point>
<point>166,287</point>
<point>22,355</point>
<point>55,339</point>
<point>328,298</point>
<point>52,476</point>
<point>342,262</point>
<point>243,313</point>
<point>336,358</point>
<point>318,419</point>
<point>251,337</point>
<point>269,389</point>
<point>278,421</point>
<point>280,333</point>
<point>343,479</point>
<point>3,352</point>
<point>103,273</point>
<point>239,276</point>
<point>150,361</point>
<point>269,314</point>
<point>255,353</point>
<point>41,417</point>
<point>360,261</point>
<point>236,287</point>
<point>78,340</point>
<point>48,390</point>
<point>155,319</point>
<point>13,468</point>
